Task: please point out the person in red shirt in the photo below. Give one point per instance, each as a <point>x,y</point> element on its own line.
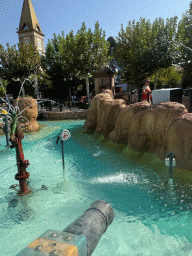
<point>145,90</point>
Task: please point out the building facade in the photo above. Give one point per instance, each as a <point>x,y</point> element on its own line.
<point>29,28</point>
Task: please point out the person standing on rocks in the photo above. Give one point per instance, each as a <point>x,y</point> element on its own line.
<point>146,90</point>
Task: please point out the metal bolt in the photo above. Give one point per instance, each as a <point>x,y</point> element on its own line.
<point>38,248</point>
<point>53,234</point>
<point>68,238</point>
<point>13,186</point>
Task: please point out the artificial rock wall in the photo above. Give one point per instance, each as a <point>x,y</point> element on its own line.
<point>28,118</point>
<point>158,129</point>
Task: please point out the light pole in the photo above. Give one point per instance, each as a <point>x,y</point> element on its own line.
<point>68,78</point>
<point>36,86</point>
<point>170,162</point>
<point>6,127</point>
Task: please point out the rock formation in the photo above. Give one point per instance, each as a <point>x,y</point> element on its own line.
<point>28,119</point>
<point>186,102</point>
<point>157,129</point>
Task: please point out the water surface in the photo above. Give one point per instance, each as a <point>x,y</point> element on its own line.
<point>151,216</point>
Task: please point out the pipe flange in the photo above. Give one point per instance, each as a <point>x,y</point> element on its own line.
<point>20,176</point>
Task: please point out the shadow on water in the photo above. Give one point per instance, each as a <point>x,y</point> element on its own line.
<point>16,210</point>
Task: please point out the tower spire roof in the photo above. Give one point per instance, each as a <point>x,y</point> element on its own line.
<point>29,19</point>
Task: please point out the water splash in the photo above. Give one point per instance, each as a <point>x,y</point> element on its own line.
<point>27,121</point>
<point>22,85</point>
<point>14,110</point>
<point>120,178</point>
<point>7,99</point>
<point>31,106</point>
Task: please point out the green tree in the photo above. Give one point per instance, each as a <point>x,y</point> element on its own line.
<point>19,62</point>
<point>91,52</point>
<point>3,86</point>
<point>130,48</point>
<point>184,40</point>
<point>170,77</point>
<point>60,63</point>
<point>77,55</point>
<point>143,48</point>
<point>161,52</point>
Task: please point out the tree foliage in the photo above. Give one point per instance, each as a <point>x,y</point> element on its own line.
<point>170,77</point>
<point>76,55</point>
<point>184,37</point>
<point>19,62</point>
<point>131,45</point>
<point>143,47</point>
<point>3,87</point>
<point>92,49</point>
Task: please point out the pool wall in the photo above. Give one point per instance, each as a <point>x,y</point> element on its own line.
<point>65,115</point>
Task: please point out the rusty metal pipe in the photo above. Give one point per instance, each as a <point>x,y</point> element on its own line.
<point>22,164</point>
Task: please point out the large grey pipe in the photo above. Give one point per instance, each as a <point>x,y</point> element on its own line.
<point>92,224</point>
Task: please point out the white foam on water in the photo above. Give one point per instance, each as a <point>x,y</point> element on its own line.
<point>129,178</point>
<point>97,154</point>
<point>133,239</point>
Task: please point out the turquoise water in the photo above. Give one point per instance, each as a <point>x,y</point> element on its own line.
<point>151,216</point>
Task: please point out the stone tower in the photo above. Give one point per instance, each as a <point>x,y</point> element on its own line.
<point>29,28</point>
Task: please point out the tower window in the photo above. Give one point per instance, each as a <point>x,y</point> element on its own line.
<point>37,28</point>
<point>25,27</point>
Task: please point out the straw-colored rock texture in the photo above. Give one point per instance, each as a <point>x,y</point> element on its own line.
<point>157,129</point>
<point>28,118</point>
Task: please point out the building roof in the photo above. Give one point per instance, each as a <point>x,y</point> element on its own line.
<point>28,20</point>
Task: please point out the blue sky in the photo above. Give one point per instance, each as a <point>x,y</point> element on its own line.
<point>56,16</point>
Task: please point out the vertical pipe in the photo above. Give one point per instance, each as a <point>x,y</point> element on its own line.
<point>22,174</point>
<point>69,97</point>
<point>6,129</point>
<point>190,96</point>
<point>22,164</point>
<point>62,147</point>
<point>36,86</point>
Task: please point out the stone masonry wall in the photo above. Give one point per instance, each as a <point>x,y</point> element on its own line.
<point>67,115</point>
